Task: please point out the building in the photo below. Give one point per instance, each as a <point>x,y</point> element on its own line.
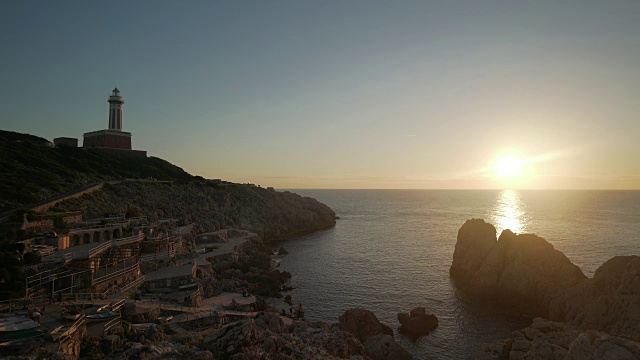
<point>113,138</point>
<point>65,142</point>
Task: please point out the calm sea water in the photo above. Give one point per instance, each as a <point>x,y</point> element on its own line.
<point>391,251</point>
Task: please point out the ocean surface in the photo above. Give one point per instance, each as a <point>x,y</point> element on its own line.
<point>391,251</point>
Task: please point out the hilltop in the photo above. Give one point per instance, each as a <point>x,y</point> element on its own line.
<point>32,169</point>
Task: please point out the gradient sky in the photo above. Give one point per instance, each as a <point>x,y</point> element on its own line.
<point>340,94</point>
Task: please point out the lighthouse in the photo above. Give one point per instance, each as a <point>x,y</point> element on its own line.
<point>115,110</point>
<point>112,139</point>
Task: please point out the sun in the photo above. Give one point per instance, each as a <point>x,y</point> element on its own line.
<point>509,167</point>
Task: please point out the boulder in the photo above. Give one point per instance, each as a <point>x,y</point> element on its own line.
<point>524,271</point>
<point>234,337</point>
<point>273,339</point>
<point>546,339</point>
<point>417,323</point>
<point>362,323</point>
<point>384,347</point>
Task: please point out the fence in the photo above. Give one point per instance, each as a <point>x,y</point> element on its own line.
<point>84,296</point>
<point>116,273</point>
<point>133,284</point>
<point>99,249</point>
<point>117,305</point>
<point>155,256</point>
<point>67,336</point>
<point>112,324</point>
<point>129,240</point>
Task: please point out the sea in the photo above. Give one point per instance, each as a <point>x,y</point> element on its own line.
<point>391,250</point>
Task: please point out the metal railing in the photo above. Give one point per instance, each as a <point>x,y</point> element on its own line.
<point>111,324</point>
<point>67,336</point>
<point>117,305</point>
<point>99,249</point>
<point>111,226</point>
<point>84,296</point>
<point>155,256</point>
<point>116,273</point>
<point>133,284</point>
<point>129,240</point>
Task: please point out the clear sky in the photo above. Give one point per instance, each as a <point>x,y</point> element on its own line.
<point>341,94</point>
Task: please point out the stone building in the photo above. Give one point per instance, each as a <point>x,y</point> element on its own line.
<point>65,142</point>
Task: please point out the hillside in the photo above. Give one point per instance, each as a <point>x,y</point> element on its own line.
<point>273,214</point>
<point>31,169</point>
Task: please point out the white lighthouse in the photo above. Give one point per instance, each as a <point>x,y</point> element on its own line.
<point>112,139</point>
<point>115,110</point>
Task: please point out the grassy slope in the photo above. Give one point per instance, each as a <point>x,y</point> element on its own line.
<point>31,170</point>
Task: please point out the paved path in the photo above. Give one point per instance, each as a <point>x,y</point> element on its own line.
<point>185,267</point>
<point>5,216</point>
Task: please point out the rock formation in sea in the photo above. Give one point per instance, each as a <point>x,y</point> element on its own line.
<point>602,314</point>
<point>523,271</point>
<point>549,340</point>
<point>417,322</point>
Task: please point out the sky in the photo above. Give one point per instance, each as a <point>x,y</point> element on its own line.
<point>341,94</point>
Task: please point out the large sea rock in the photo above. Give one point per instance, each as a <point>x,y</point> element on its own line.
<point>417,322</point>
<point>600,316</point>
<point>524,270</point>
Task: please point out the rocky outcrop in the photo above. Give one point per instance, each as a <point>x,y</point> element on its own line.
<point>267,337</point>
<point>272,214</point>
<point>362,323</point>
<point>524,270</point>
<point>358,335</point>
<point>610,301</point>
<point>384,347</point>
<point>376,337</point>
<point>235,337</point>
<point>527,272</point>
<point>545,339</point>
<point>417,323</point>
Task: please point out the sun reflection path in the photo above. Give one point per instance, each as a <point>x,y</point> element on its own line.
<point>508,213</point>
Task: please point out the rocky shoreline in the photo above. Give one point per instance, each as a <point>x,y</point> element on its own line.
<point>594,317</point>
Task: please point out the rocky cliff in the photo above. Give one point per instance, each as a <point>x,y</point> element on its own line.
<point>270,336</point>
<point>610,301</point>
<point>550,340</point>
<point>274,215</point>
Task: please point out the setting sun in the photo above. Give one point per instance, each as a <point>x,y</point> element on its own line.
<point>509,166</point>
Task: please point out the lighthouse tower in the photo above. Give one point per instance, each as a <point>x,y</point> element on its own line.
<point>115,110</point>
<point>113,138</point>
